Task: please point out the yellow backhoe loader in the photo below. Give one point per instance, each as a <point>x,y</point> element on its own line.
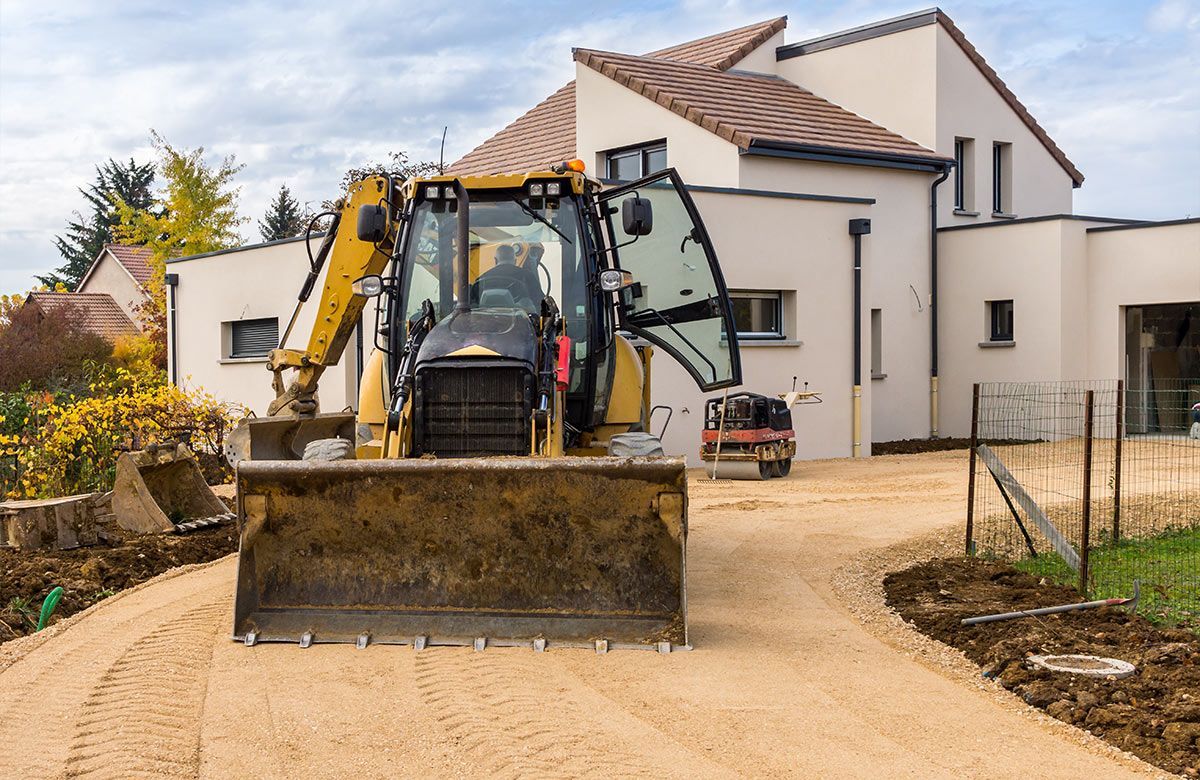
<point>498,484</point>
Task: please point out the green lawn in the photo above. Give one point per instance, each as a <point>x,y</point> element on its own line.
<point>1168,566</point>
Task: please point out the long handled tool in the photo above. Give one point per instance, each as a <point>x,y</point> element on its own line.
<point>1130,602</point>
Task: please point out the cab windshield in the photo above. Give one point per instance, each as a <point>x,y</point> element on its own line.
<point>521,250</point>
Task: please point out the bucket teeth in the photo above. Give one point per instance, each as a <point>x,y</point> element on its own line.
<point>306,639</point>
<point>480,644</point>
<point>539,645</point>
<point>420,642</point>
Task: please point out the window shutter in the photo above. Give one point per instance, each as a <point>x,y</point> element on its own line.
<point>254,338</point>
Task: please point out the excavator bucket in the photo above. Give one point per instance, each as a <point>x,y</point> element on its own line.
<point>505,551</point>
<point>161,490</point>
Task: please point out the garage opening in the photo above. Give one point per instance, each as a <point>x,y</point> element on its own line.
<point>1162,366</point>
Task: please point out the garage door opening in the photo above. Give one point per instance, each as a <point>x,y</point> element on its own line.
<point>1162,366</point>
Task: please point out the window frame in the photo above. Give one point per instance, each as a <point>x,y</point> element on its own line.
<point>877,371</point>
<point>964,196</point>
<point>1002,178</point>
<point>642,150</point>
<point>751,294</point>
<point>233,326</point>
<point>996,331</point>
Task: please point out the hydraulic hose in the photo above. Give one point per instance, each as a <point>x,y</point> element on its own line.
<point>48,607</point>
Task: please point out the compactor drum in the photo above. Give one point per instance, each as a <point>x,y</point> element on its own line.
<point>496,485</point>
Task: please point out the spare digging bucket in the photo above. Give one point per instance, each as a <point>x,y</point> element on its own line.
<point>505,551</point>
<point>161,489</point>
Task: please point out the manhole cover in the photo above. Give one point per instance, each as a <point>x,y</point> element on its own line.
<point>1087,665</point>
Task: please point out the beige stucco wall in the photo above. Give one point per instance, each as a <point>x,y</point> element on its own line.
<point>247,284</point>
<point>609,116</point>
<point>968,106</point>
<point>108,276</point>
<point>895,280</point>
<point>1135,267</point>
<point>890,80</point>
<point>762,59</point>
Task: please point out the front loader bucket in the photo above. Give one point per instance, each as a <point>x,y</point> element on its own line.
<point>161,490</point>
<point>506,551</point>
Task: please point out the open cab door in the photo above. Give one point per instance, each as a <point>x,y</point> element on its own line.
<point>677,298</point>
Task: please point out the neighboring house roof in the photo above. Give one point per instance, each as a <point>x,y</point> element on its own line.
<point>746,108</point>
<point>134,259</point>
<point>545,134</point>
<point>94,312</point>
<point>920,19</point>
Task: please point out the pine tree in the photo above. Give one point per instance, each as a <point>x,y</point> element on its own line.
<point>86,235</point>
<point>283,218</point>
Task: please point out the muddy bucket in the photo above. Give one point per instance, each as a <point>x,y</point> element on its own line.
<point>505,551</point>
<point>161,489</point>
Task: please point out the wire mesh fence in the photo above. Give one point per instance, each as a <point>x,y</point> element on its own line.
<point>1092,484</point>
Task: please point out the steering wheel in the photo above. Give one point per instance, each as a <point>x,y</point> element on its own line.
<point>507,277</point>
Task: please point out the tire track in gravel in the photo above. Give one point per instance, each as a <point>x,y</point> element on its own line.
<point>143,717</point>
<point>494,707</point>
<point>43,694</point>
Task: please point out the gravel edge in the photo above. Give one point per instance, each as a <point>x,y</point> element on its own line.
<point>16,649</point>
<point>859,584</point>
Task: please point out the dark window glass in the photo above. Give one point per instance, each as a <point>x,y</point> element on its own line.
<point>253,338</point>
<point>998,178</point>
<point>758,314</point>
<point>960,159</point>
<point>631,164</point>
<point>1002,320</point>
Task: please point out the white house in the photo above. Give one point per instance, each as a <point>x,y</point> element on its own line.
<point>974,267</point>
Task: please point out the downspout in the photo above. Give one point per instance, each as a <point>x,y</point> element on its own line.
<point>172,281</point>
<point>858,229</point>
<point>933,302</point>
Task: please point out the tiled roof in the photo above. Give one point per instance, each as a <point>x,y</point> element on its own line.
<point>546,133</point>
<point>135,260</point>
<point>743,107</point>
<point>723,50</point>
<point>94,312</point>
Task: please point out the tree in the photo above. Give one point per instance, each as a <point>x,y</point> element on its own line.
<point>398,165</point>
<point>195,212</point>
<point>85,236</point>
<point>283,218</point>
<point>46,350</point>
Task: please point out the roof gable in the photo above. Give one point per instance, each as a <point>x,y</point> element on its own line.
<point>921,19</point>
<point>545,134</point>
<point>745,108</point>
<point>134,260</point>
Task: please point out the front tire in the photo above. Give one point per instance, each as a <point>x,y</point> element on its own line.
<point>325,450</point>
<point>783,467</point>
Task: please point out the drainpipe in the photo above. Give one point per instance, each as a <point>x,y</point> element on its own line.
<point>933,302</point>
<point>858,229</point>
<point>172,281</point>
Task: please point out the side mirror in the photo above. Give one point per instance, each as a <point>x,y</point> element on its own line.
<point>636,216</point>
<point>372,223</point>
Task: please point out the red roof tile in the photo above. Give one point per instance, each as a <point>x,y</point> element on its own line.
<point>546,133</point>
<point>743,107</point>
<point>94,312</point>
<point>135,260</point>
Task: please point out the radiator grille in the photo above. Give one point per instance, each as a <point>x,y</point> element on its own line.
<point>469,412</point>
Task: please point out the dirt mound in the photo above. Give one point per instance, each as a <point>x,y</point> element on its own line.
<point>1154,714</point>
<point>89,574</point>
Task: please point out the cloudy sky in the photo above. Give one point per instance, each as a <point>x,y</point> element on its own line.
<point>300,91</point>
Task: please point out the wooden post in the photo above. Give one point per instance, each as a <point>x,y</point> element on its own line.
<point>971,468</point>
<point>1120,434</point>
<point>1085,541</point>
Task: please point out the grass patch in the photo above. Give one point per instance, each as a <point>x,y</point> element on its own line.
<point>1166,564</point>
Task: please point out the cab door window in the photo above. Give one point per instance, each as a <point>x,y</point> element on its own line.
<point>678,299</point>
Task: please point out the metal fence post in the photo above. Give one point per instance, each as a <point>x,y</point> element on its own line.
<point>1085,542</point>
<point>1120,434</point>
<point>971,467</point>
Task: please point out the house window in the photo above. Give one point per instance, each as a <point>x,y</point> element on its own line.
<point>964,195</point>
<point>1002,320</point>
<point>877,344</point>
<point>1001,178</point>
<point>636,161</point>
<point>252,338</point>
<point>758,314</point>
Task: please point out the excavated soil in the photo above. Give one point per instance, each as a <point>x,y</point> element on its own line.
<point>90,574</point>
<point>1154,714</point>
